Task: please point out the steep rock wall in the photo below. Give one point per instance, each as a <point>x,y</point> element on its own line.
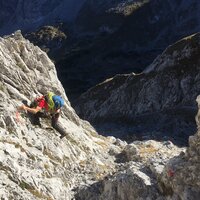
<point>35,163</point>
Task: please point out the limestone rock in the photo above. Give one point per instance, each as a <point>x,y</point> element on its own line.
<point>34,162</point>
<point>143,151</point>
<point>127,185</point>
<point>160,100</point>
<point>184,182</point>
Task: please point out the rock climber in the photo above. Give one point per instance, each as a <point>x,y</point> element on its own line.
<point>42,106</point>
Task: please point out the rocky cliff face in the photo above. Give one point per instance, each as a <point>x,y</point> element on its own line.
<point>178,178</point>
<point>36,164</point>
<point>164,94</point>
<point>184,183</point>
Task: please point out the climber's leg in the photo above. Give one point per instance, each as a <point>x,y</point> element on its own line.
<point>57,126</point>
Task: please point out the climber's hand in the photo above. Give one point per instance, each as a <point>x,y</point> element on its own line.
<point>23,107</point>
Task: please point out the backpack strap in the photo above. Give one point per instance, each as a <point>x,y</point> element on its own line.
<point>50,102</point>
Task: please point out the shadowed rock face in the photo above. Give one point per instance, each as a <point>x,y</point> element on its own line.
<point>28,15</point>
<point>116,43</point>
<point>105,16</point>
<point>49,38</point>
<point>141,18</point>
<point>162,98</point>
<point>108,37</point>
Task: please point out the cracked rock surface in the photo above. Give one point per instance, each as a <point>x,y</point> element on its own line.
<point>36,164</point>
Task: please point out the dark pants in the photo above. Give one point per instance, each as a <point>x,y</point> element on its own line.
<point>57,126</point>
<point>35,119</point>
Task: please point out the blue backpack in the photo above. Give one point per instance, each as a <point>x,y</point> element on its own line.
<point>58,101</point>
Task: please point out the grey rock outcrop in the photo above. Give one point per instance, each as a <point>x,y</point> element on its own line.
<point>161,98</point>
<point>184,184</point>
<point>34,162</point>
<point>153,171</point>
<point>139,176</point>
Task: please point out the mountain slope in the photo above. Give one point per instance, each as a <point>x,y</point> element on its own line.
<point>110,43</point>
<point>178,179</point>
<point>34,162</point>
<point>167,87</point>
<point>105,16</point>
<point>28,15</point>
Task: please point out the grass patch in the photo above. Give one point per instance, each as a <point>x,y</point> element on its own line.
<point>39,195</point>
<point>49,154</point>
<point>33,191</point>
<point>102,144</point>
<point>47,175</point>
<point>30,156</point>
<point>25,185</point>
<point>72,141</point>
<point>46,166</point>
<point>20,65</point>
<point>147,149</point>
<point>10,129</point>
<point>4,168</point>
<point>12,179</point>
<point>2,88</point>
<point>17,145</point>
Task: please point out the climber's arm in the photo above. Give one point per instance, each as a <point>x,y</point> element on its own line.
<point>32,110</point>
